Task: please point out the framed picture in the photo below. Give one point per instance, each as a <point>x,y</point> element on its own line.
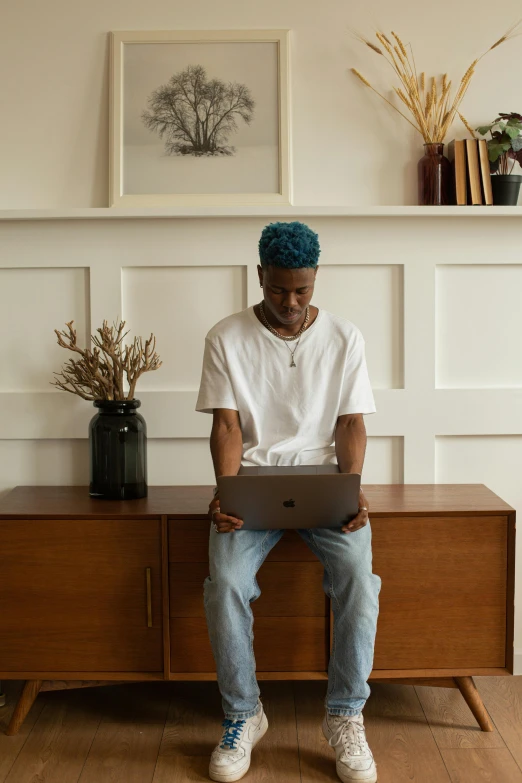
<point>199,118</point>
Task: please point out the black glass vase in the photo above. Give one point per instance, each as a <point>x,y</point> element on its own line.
<point>118,451</point>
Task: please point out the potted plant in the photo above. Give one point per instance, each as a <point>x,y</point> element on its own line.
<point>117,433</point>
<point>428,107</point>
<point>504,150</point>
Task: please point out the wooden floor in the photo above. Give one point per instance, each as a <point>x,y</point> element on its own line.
<point>165,732</point>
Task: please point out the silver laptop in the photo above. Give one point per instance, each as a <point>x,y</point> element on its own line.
<point>300,496</point>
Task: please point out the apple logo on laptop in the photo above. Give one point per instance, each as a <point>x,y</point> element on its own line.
<point>289,503</point>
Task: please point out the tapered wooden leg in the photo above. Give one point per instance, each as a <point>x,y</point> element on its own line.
<point>25,702</point>
<point>474,701</point>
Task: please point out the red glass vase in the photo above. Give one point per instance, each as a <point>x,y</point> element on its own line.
<point>434,175</point>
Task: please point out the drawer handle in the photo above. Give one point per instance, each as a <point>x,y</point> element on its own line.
<point>149,599</point>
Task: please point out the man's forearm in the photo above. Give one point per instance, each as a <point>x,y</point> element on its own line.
<point>350,447</point>
<point>226,447</point>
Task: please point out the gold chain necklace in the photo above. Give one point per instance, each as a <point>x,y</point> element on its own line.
<point>286,337</point>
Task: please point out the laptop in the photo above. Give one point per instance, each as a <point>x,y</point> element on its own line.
<point>297,496</point>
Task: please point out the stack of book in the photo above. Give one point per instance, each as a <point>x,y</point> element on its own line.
<point>471,174</point>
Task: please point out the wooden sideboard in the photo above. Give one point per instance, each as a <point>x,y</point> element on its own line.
<point>96,592</point>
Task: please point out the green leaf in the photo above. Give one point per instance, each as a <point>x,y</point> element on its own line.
<point>484,129</point>
<point>496,150</point>
<point>513,131</point>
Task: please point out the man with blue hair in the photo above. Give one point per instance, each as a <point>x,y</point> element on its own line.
<point>287,384</point>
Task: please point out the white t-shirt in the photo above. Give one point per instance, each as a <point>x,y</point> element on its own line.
<point>287,414</point>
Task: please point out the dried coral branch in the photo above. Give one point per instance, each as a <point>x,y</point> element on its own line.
<point>99,374</point>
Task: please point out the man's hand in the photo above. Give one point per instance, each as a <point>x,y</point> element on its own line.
<point>361,519</point>
<point>225,522</point>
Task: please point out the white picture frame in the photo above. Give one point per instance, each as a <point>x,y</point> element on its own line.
<point>208,173</point>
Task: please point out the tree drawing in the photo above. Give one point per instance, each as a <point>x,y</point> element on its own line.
<point>197,115</point>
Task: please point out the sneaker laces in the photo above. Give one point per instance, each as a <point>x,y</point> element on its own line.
<point>232,733</point>
<point>350,731</point>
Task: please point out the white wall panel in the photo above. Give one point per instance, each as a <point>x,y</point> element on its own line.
<point>171,461</point>
<point>371,296</point>
<point>384,460</point>
<point>180,461</point>
<point>174,304</point>
<point>43,462</point>
<point>33,303</point>
<point>479,325</point>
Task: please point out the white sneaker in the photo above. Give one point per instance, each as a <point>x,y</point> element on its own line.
<point>354,759</point>
<point>230,760</point>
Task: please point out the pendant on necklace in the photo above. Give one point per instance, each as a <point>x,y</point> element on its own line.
<point>293,363</point>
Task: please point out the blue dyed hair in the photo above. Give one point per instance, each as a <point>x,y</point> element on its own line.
<point>289,245</point>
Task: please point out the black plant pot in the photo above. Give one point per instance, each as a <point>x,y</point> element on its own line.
<point>118,451</point>
<point>506,188</point>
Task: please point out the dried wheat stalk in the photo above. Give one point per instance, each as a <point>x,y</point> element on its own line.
<point>431,110</point>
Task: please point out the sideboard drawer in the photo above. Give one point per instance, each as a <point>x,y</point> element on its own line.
<point>292,607</point>
<point>188,542</point>
<point>287,589</point>
<point>444,591</point>
<point>280,644</point>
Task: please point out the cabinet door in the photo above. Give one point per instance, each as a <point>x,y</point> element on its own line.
<point>80,595</point>
<point>443,595</point>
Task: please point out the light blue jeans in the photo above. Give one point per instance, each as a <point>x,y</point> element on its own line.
<point>234,560</point>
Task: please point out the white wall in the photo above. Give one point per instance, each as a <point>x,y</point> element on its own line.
<point>348,146</point>
<point>438,299</point>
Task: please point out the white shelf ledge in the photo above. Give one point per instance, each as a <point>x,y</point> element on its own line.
<point>112,213</point>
